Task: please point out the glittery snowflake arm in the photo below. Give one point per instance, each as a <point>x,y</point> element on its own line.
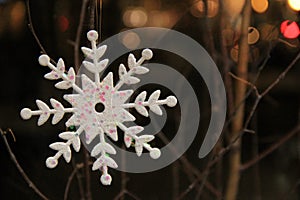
<point>153,103</point>
<point>94,54</point>
<point>104,161</point>
<point>139,142</point>
<point>44,111</point>
<point>134,68</point>
<point>58,72</point>
<point>63,148</point>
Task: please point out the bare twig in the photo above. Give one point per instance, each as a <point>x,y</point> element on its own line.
<point>122,193</point>
<point>275,146</point>
<point>189,170</point>
<point>87,173</point>
<point>74,172</point>
<point>292,190</point>
<point>32,30</point>
<point>224,150</point>
<point>79,179</point>
<point>238,121</point>
<point>176,180</point>
<point>20,169</point>
<point>245,82</point>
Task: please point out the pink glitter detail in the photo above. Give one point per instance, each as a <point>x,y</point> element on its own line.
<point>112,131</point>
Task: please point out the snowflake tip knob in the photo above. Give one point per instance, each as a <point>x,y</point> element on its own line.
<point>147,54</point>
<point>44,60</point>
<point>106,179</point>
<point>171,101</point>
<point>26,113</point>
<point>92,35</point>
<point>51,162</point>
<point>155,153</point>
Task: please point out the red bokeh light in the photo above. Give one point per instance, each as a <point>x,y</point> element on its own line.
<point>63,23</point>
<point>289,29</point>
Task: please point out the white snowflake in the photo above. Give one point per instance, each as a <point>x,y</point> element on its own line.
<point>99,108</point>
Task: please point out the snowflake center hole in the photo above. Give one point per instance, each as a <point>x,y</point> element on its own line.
<point>99,107</point>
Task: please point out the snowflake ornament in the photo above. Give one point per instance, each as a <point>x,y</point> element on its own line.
<point>98,108</point>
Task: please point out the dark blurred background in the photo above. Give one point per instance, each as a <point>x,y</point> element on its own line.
<point>56,22</point>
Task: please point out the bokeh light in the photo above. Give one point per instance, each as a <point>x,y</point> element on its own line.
<point>152,4</point>
<point>253,35</point>
<point>289,29</point>
<point>233,7</point>
<point>63,23</point>
<point>212,8</point>
<point>198,9</point>
<point>17,16</point>
<point>162,19</point>
<point>260,6</point>
<point>294,4</point>
<point>131,40</point>
<point>234,53</point>
<point>135,17</point>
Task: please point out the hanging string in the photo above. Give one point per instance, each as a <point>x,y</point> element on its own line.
<point>99,25</point>
<point>96,15</point>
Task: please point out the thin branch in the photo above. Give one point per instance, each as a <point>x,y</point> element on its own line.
<point>245,82</point>
<point>240,92</point>
<point>122,193</point>
<point>268,151</point>
<point>71,177</point>
<point>87,175</point>
<point>226,149</point>
<point>292,190</point>
<point>282,75</point>
<point>20,169</point>
<point>176,180</point>
<point>32,30</point>
<point>189,168</point>
<point>78,177</point>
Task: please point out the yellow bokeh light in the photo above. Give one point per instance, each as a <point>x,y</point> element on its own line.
<point>260,6</point>
<point>253,35</point>
<point>198,9</point>
<point>161,19</point>
<point>233,7</point>
<point>136,17</point>
<point>234,53</point>
<point>131,40</point>
<point>17,16</point>
<point>212,8</point>
<point>294,4</point>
